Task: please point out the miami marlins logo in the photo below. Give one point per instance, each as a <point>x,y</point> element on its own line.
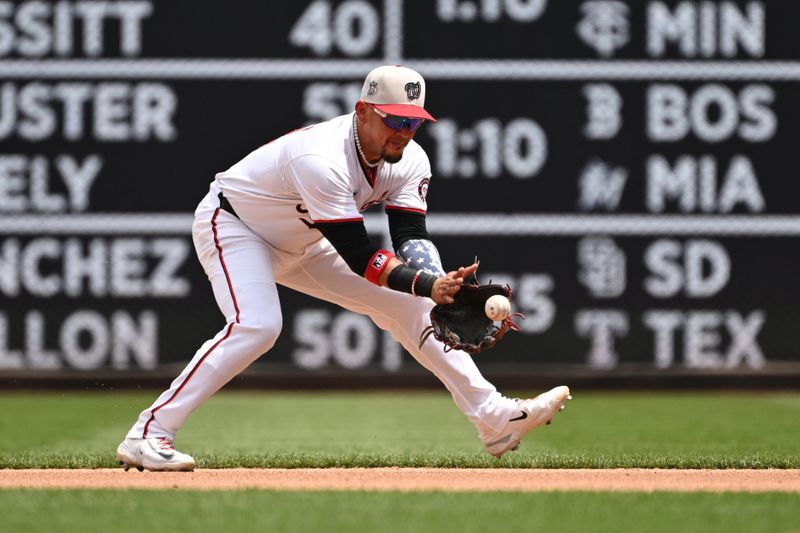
<point>413,90</point>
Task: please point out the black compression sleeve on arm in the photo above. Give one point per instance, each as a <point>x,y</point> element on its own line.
<point>401,278</point>
<point>424,284</point>
<point>405,226</point>
<point>406,279</point>
<point>351,241</point>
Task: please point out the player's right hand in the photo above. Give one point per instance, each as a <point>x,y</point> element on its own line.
<point>445,287</point>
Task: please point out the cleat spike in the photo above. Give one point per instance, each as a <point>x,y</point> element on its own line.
<point>140,468</point>
<point>548,422</point>
<point>126,467</point>
<point>569,397</point>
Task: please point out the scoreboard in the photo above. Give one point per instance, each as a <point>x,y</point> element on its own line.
<point>628,167</point>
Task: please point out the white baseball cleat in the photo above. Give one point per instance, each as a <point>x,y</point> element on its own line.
<point>153,453</point>
<point>532,414</point>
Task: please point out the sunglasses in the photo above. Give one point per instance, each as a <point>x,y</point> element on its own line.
<point>398,123</point>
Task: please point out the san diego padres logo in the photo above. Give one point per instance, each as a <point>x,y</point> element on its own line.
<point>413,90</point>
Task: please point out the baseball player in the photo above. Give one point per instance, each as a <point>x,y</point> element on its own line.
<point>289,213</point>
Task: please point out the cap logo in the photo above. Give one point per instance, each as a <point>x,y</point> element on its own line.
<point>413,90</point>
<point>373,88</point>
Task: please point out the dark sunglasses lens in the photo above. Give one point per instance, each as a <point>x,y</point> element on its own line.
<point>398,123</point>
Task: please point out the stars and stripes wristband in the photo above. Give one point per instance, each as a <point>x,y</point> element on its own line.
<point>406,279</point>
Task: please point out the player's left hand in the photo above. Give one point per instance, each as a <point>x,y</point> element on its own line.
<point>446,287</point>
<point>463,323</point>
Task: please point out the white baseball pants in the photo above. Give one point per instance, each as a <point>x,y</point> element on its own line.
<point>243,271</point>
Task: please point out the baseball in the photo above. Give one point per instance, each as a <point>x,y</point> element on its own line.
<point>498,307</point>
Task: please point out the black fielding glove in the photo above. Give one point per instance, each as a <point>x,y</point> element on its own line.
<point>463,324</point>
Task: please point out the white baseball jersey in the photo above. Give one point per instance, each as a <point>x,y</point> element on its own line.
<point>314,175</point>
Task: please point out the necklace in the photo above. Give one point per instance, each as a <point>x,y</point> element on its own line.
<point>358,146</point>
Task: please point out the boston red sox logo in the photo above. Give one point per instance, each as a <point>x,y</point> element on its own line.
<point>413,90</point>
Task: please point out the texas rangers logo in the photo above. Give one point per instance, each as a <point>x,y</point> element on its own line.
<point>423,189</point>
<point>379,260</point>
<point>413,90</point>
<point>373,88</point>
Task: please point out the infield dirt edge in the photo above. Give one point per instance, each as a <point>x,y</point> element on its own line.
<point>412,479</point>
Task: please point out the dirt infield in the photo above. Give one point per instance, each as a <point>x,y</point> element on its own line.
<point>412,479</point>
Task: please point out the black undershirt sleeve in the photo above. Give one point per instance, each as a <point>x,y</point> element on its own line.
<point>351,241</point>
<point>405,226</point>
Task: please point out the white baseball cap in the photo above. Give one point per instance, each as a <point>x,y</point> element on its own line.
<point>396,90</point>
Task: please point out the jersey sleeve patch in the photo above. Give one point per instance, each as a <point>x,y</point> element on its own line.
<point>412,193</point>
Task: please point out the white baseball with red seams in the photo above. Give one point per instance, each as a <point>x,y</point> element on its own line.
<point>497,307</point>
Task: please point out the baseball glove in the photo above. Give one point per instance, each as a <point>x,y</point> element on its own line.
<point>463,324</point>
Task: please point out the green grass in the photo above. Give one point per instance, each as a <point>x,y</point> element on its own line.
<point>58,430</point>
<point>435,512</point>
<point>323,429</point>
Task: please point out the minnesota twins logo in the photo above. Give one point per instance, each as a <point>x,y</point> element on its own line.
<point>413,90</point>
<point>373,88</point>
